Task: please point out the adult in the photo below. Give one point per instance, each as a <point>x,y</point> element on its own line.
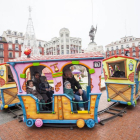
<point>74,83</point>
<point>37,82</point>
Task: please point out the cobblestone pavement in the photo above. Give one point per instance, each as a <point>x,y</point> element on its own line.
<point>120,128</point>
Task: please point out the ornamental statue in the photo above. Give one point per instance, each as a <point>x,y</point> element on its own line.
<point>92,33</point>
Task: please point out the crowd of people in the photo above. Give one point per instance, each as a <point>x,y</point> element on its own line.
<point>41,89</point>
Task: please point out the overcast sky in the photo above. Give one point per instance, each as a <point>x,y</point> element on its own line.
<point>114,18</point>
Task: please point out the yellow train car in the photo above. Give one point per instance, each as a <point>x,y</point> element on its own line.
<point>62,105</point>
<point>121,79</point>
<point>8,87</point>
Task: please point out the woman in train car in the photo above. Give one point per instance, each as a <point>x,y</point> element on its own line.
<point>77,92</point>
<point>44,94</point>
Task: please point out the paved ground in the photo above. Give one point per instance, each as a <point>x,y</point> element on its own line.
<point>120,128</point>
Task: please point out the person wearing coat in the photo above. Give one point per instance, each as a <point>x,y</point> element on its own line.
<point>31,89</point>
<point>69,92</point>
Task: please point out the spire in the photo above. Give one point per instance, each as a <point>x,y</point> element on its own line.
<point>29,38</point>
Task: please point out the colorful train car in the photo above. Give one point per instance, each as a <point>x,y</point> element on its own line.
<point>8,87</point>
<point>62,105</point>
<point>121,79</point>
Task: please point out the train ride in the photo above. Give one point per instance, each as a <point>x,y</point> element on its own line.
<point>122,76</point>
<point>8,88</point>
<point>62,105</point>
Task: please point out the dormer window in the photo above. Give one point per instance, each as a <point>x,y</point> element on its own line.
<point>15,33</point>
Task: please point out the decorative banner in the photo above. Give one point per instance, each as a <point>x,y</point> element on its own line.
<point>97,64</point>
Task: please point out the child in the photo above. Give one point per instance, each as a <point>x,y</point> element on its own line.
<point>69,92</point>
<point>44,85</point>
<point>31,89</point>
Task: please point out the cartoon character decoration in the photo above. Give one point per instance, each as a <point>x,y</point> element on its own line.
<point>1,71</point>
<point>131,65</point>
<point>27,52</point>
<point>57,86</point>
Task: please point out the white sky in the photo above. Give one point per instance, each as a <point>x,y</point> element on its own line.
<point>114,18</point>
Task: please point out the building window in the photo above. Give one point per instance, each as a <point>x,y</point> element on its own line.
<point>139,44</point>
<point>20,34</point>
<point>79,42</point>
<point>16,48</point>
<point>39,43</point>
<point>16,54</point>
<point>62,52</point>
<point>116,47</point>
<point>107,49</point>
<point>111,48</point>
<point>67,35</point>
<point>16,41</point>
<point>1,61</point>
<point>1,53</point>
<point>10,54</point>
<point>9,32</point>
<point>1,46</point>
<point>127,46</point>
<point>15,33</point>
<point>134,54</point>
<point>0,38</point>
<point>62,47</point>
<point>122,51</point>
<point>117,52</point>
<point>10,47</point>
<point>67,46</point>
<point>133,49</point>
<point>67,51</point>
<point>121,46</point>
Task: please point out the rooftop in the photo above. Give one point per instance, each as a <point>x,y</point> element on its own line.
<point>94,55</point>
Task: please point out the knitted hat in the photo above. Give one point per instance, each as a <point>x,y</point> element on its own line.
<point>65,84</point>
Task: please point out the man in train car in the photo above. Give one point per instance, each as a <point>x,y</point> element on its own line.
<point>77,92</point>
<point>46,96</point>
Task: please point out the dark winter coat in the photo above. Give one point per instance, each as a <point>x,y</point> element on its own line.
<point>36,84</point>
<point>74,83</point>
<point>34,92</point>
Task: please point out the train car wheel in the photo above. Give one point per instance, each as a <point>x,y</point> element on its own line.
<point>38,123</point>
<point>30,122</point>
<point>80,123</point>
<point>90,123</point>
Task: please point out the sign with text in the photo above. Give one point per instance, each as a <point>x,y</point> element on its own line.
<point>97,64</point>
